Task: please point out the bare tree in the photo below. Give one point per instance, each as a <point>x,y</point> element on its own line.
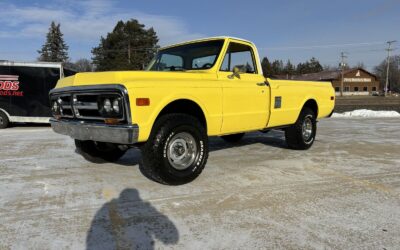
<point>394,73</point>
<point>360,65</point>
<point>83,65</point>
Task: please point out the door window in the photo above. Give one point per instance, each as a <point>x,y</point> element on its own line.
<point>170,63</point>
<point>240,56</point>
<point>205,62</point>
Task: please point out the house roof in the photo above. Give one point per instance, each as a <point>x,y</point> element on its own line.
<point>328,75</point>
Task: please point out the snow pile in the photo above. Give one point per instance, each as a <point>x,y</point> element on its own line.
<point>367,113</point>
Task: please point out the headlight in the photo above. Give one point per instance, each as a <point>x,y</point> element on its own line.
<point>116,105</point>
<point>107,105</point>
<point>56,107</point>
<point>110,106</point>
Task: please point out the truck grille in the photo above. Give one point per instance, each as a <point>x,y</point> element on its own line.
<point>82,105</point>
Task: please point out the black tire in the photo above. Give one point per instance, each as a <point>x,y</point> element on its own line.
<point>157,152</point>
<point>233,138</point>
<point>99,151</point>
<point>4,122</point>
<point>295,138</point>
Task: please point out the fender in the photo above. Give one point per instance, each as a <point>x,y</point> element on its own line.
<point>309,98</point>
<point>145,129</point>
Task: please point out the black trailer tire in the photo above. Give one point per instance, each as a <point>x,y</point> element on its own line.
<point>95,151</point>
<point>176,151</point>
<point>4,122</point>
<point>301,135</point>
<point>233,138</point>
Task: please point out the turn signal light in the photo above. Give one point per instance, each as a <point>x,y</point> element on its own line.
<point>111,121</point>
<point>142,102</point>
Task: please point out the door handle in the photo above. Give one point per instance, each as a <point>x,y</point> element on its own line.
<point>263,83</point>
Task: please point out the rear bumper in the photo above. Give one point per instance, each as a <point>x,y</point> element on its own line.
<point>120,134</point>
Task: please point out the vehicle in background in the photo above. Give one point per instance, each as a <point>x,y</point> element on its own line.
<point>24,89</point>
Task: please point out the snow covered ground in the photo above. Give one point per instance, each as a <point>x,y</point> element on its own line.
<point>366,113</point>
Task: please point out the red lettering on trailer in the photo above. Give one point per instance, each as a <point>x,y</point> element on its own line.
<point>9,86</point>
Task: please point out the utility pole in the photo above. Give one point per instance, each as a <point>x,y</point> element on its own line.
<point>387,63</point>
<point>342,65</point>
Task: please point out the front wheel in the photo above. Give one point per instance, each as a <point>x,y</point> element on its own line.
<point>301,135</point>
<point>177,150</point>
<point>95,151</point>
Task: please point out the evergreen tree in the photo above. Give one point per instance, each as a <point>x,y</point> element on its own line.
<point>54,49</point>
<point>128,47</point>
<point>266,67</point>
<point>315,66</point>
<point>289,68</point>
<point>277,67</point>
<point>311,66</point>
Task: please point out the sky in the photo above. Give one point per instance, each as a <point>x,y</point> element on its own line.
<point>285,29</point>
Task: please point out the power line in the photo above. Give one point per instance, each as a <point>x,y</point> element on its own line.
<point>325,46</point>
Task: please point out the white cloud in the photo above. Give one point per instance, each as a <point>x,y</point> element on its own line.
<point>86,21</point>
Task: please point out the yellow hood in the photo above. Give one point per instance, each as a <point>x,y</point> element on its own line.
<point>122,77</point>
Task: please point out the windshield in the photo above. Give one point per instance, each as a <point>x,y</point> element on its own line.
<point>194,56</point>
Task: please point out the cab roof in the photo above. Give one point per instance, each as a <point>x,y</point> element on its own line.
<point>207,39</point>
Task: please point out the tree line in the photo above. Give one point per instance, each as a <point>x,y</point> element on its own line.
<point>130,46</point>
<point>277,67</point>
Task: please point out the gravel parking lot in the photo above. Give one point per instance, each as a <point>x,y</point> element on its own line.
<point>343,193</point>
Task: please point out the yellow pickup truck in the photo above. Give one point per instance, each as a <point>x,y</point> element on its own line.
<point>189,91</point>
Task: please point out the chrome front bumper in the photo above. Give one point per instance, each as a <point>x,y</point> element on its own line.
<point>120,134</point>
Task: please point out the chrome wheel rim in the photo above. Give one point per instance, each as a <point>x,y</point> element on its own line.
<point>182,151</point>
<point>307,128</point>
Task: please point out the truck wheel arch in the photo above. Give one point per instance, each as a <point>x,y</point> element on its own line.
<point>311,104</point>
<point>184,106</point>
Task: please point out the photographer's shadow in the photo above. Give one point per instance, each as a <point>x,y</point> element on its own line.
<point>130,223</point>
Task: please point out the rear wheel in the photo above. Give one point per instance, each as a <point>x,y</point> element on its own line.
<point>95,151</point>
<point>302,134</point>
<point>3,120</point>
<point>233,138</point>
<point>177,150</point>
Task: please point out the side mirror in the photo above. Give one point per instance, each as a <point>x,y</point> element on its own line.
<point>235,73</point>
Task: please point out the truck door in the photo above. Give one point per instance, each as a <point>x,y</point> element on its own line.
<point>245,94</point>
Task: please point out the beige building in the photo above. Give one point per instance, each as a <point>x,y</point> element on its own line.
<point>356,81</point>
